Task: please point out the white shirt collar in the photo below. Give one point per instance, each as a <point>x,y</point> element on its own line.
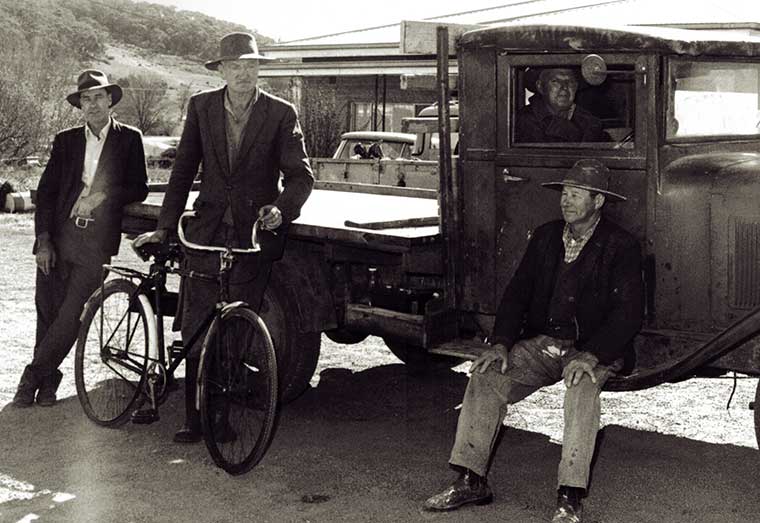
<point>89,135</point>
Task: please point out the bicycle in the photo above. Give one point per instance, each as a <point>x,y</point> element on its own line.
<point>122,362</point>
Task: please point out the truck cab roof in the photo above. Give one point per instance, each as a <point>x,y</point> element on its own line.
<point>570,38</point>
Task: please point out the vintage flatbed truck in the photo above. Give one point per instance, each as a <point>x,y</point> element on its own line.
<point>681,109</point>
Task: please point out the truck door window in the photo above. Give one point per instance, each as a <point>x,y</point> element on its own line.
<point>554,107</point>
<point>713,98</point>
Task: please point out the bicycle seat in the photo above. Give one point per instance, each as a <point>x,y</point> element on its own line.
<point>160,252</point>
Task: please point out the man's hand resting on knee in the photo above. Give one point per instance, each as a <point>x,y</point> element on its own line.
<point>582,364</point>
<point>496,353</point>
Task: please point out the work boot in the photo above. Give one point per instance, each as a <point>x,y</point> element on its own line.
<point>569,508</point>
<point>27,387</point>
<point>191,430</point>
<point>48,387</point>
<point>468,488</point>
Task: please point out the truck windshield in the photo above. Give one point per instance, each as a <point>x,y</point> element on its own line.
<point>711,98</point>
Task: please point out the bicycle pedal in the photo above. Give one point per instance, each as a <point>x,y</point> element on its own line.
<point>145,416</point>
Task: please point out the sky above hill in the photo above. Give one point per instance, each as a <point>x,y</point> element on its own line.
<point>286,20</point>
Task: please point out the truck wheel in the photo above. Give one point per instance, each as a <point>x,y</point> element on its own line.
<point>346,337</point>
<point>417,360</point>
<point>297,352</point>
<point>757,413</point>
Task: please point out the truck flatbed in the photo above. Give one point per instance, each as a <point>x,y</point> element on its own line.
<point>325,214</point>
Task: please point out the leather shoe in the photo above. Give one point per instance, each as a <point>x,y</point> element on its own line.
<point>188,434</point>
<point>569,508</point>
<point>469,488</point>
<point>48,387</point>
<point>27,388</point>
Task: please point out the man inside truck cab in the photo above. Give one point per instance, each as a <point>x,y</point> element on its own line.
<point>570,312</point>
<point>552,114</point>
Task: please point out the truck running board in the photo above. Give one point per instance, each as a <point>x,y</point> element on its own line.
<point>418,330</point>
<point>460,348</point>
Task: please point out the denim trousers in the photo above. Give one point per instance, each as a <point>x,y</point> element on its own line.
<point>533,363</point>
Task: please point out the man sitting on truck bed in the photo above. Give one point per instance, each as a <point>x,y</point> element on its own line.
<point>570,312</point>
<point>552,114</point>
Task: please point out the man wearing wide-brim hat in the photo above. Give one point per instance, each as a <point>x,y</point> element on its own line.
<point>245,137</point>
<point>552,115</point>
<point>570,312</point>
<point>94,170</point>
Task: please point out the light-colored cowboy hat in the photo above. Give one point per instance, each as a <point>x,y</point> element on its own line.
<point>90,80</point>
<point>591,175</point>
<point>237,46</point>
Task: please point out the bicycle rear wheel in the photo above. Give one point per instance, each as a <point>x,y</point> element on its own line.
<point>238,390</point>
<point>112,352</point>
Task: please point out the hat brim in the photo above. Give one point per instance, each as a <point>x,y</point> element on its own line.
<point>114,90</point>
<point>214,64</point>
<point>557,186</point>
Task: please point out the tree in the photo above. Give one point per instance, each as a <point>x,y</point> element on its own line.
<point>34,82</point>
<point>145,103</point>
<point>321,119</point>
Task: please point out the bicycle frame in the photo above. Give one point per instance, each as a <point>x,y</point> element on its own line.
<point>154,282</point>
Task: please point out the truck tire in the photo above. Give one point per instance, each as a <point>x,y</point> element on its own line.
<point>346,337</point>
<point>297,352</point>
<point>417,360</point>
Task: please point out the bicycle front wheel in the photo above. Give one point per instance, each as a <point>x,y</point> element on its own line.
<point>112,352</point>
<point>238,390</point>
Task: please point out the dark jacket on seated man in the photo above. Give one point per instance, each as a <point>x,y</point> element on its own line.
<point>537,124</point>
<point>606,307</point>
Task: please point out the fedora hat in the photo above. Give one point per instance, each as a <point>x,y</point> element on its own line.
<point>591,175</point>
<point>532,75</point>
<point>237,46</point>
<point>90,80</point>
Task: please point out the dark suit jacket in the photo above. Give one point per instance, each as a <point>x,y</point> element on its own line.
<point>120,175</point>
<point>272,143</point>
<point>536,124</point>
<point>609,301</point>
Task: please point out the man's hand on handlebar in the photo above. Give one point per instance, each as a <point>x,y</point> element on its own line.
<point>270,217</point>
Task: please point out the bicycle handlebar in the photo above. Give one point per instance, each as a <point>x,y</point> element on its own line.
<point>255,245</point>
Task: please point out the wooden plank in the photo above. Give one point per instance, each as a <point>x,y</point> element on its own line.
<point>418,37</point>
<point>368,188</point>
<point>383,322</point>
<point>461,348</point>
<point>395,224</point>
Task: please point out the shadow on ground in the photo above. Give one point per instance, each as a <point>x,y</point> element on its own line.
<point>366,446</point>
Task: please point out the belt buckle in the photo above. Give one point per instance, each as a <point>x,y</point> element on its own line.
<point>82,222</point>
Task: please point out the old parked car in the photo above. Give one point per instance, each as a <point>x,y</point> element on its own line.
<point>375,145</point>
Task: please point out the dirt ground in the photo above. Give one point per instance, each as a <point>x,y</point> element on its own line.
<point>366,443</point>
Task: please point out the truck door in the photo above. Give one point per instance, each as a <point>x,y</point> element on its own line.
<point>524,159</point>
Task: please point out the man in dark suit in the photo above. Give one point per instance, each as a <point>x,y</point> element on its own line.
<point>245,138</point>
<point>570,312</point>
<point>94,170</point>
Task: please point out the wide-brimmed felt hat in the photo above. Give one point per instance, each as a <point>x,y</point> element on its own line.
<point>237,46</point>
<point>90,80</point>
<point>532,74</point>
<point>591,175</point>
